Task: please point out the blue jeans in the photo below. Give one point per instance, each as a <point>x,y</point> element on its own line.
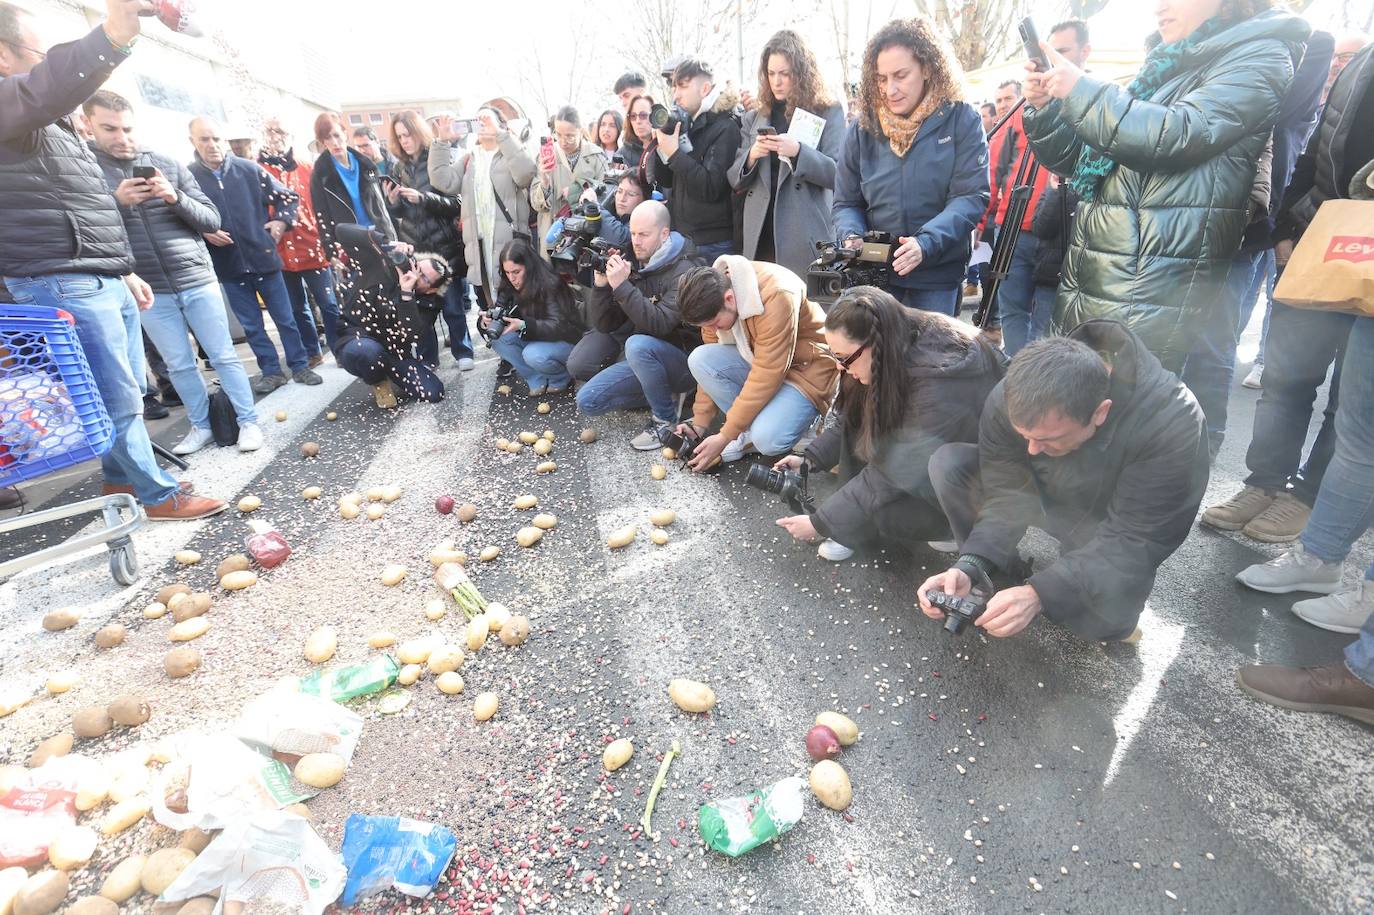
<point>1303,345</point>
<point>945,301</point>
<point>455,315</point>
<point>1016,297</point>
<point>721,372</point>
<point>320,284</point>
<point>653,373</point>
<point>1210,368</point>
<point>715,249</point>
<point>372,362</point>
<point>108,328</point>
<point>201,310</point>
<point>243,294</point>
<point>542,363</point>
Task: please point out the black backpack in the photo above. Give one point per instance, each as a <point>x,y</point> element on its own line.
<point>224,422</point>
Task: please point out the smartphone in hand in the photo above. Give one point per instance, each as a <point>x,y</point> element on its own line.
<point>767,130</point>
<point>1030,41</point>
<point>145,172</point>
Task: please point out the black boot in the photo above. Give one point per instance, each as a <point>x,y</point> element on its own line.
<point>153,408</point>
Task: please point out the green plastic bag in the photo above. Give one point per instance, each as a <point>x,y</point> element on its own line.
<point>340,683</point>
<point>735,825</point>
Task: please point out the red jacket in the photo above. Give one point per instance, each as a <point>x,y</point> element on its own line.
<point>1001,193</point>
<point>300,247</point>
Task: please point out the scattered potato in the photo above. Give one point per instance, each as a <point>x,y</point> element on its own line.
<point>843,726</point>
<point>348,511</point>
<point>545,521</point>
<point>155,611</point>
<point>164,596</point>
<point>311,493</point>
<point>514,448</point>
<point>658,472</point>
<point>205,905</point>
<point>466,512</point>
<point>445,658</point>
<point>449,682</point>
<point>542,447</point>
<point>394,574</point>
<point>238,562</point>
<point>484,706</point>
<point>321,644</point>
<point>440,556</point>
<point>13,700</point>
<point>497,616</point>
<point>477,633</point>
<point>489,553</point>
<point>548,436</point>
<point>546,467</point>
<point>622,538</point>
<point>503,389</point>
<point>92,721</point>
<point>415,651</point>
<point>56,745</point>
<point>691,696</point>
<point>663,517</point>
<point>62,681</point>
<point>409,674</point>
<point>194,628</point>
<point>515,631</point>
<point>544,407</point>
<point>124,880</point>
<point>320,770</point>
<point>237,581</point>
<point>42,893</point>
<point>91,905</point>
<point>830,784</point>
<point>131,782</point>
<point>129,710</point>
<point>617,754</point>
<point>60,619</point>
<point>196,604</point>
<point>331,416</point>
<point>502,444</point>
<point>525,502</point>
<point>529,438</point>
<point>355,498</point>
<point>658,536</point>
<point>110,636</point>
<point>588,436</point>
<point>376,510</point>
<point>11,879</point>
<point>391,493</point>
<point>435,609</point>
<point>195,839</point>
<point>163,867</point>
<point>281,418</point>
<point>529,536</point>
<point>72,847</point>
<point>250,504</point>
<point>381,639</point>
<point>187,557</point>
<point>124,814</point>
<point>310,449</point>
<point>669,454</point>
<point>181,662</point>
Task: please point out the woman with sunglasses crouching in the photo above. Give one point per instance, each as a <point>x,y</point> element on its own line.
<point>911,381</point>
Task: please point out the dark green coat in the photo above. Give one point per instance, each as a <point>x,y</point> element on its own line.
<point>1153,249</point>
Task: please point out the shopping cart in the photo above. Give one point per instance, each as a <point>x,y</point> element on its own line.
<point>51,417</point>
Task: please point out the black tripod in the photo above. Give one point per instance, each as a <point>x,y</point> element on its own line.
<point>1004,246</point>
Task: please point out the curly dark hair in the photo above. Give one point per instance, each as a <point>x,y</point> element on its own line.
<point>808,86</point>
<point>944,76</point>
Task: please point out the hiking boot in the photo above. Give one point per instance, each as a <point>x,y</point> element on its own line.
<point>184,506</point>
<point>266,384</point>
<point>195,440</point>
<point>1295,570</point>
<point>1255,379</point>
<point>315,361</point>
<point>1344,611</point>
<point>1332,689</point>
<point>384,394</point>
<point>153,408</point>
<point>306,376</point>
<point>1281,522</point>
<point>972,290</point>
<point>647,439</point>
<point>1239,510</point>
<point>834,552</point>
<point>250,437</point>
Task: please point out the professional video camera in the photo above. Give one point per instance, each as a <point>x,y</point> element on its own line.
<point>958,610</point>
<point>578,229</point>
<point>504,308</point>
<point>791,486</point>
<point>839,268</point>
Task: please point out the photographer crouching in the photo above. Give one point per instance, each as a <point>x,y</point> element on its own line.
<point>535,322</point>
<point>1092,440</point>
<point>394,298</point>
<point>912,381</point>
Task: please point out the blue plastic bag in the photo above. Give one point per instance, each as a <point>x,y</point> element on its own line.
<point>382,852</point>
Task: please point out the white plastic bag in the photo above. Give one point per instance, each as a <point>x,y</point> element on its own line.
<point>222,780</point>
<point>294,724</point>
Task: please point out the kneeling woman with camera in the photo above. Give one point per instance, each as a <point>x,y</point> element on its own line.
<point>540,317</point>
<point>913,380</point>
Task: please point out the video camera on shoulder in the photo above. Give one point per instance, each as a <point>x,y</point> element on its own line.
<point>792,486</point>
<point>838,267</point>
<point>579,246</point>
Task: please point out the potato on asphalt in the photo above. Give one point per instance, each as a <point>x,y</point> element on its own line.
<point>164,596</point>
<point>830,784</point>
<point>409,674</point>
<point>155,611</point>
<point>311,493</point>
<point>320,770</point>
<point>196,603</point>
<point>92,789</point>
<point>61,682</point>
<point>237,581</point>
<point>690,695</point>
<point>546,467</point>
<point>445,658</point>
<point>515,631</point>
<point>484,706</point>
<point>60,619</point>
<point>381,639</point>
<point>163,867</point>
<point>237,562</point>
<point>321,644</point>
<point>622,538</point>
<point>129,710</point>
<point>11,879</point>
<point>449,682</point>
<point>110,636</point>
<point>466,512</point>
<point>91,905</point>
<point>477,633</point>
<point>91,722</point>
<point>662,517</point>
<point>42,893</point>
<point>348,511</point>
<point>588,436</point>
<point>186,557</point>
<point>617,754</point>
<point>415,651</point>
<point>844,727</point>
<point>529,438</point>
<point>545,521</point>
<point>375,510</point>
<point>72,847</point>
<point>124,814</point>
<point>658,536</point>
<point>529,536</point>
<point>124,881</point>
<point>525,502</point>
<point>658,472</point>
<point>187,630</point>
<point>249,504</point>
<point>181,662</point>
<point>489,553</point>
<point>56,745</point>
<point>393,574</point>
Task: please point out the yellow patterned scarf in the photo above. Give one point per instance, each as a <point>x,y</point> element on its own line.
<point>901,131</point>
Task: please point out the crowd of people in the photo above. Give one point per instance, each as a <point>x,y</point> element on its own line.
<point>662,257</point>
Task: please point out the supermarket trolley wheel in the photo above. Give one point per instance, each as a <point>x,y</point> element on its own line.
<point>124,563</point>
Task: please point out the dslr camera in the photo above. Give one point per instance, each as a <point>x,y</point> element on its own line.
<point>504,308</point>
<point>792,486</point>
<point>837,268</point>
<point>661,117</point>
<point>685,444</point>
<point>959,611</point>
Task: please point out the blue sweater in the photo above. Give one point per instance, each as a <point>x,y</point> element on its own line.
<point>350,177</point>
<point>937,192</point>
<point>247,198</point>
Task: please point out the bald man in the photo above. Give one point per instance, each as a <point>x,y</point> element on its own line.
<point>1347,46</point>
<point>255,211</point>
<point>637,309</point>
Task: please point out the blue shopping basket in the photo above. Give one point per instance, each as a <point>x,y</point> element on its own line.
<point>51,415</point>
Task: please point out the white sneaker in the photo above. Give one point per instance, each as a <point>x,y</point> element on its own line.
<point>1345,611</point>
<point>1295,570</point>
<point>195,440</point>
<point>943,546</point>
<point>735,450</point>
<point>1255,380</point>
<point>834,552</point>
<point>250,437</point>
<point>466,365</point>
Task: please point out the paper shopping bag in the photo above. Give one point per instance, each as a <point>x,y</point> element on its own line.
<point>1332,267</point>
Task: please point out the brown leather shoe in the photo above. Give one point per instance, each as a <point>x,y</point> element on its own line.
<point>993,335</point>
<point>109,489</point>
<point>184,507</point>
<point>315,361</point>
<point>1332,688</point>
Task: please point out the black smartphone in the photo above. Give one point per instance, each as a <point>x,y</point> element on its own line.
<point>145,171</point>
<point>767,130</point>
<point>1030,41</point>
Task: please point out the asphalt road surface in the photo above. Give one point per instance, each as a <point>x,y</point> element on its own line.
<point>1033,774</point>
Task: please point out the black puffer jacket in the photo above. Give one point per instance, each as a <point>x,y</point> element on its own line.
<point>429,225</point>
<point>550,321</point>
<point>1133,488</point>
<point>166,237</point>
<point>701,203</point>
<point>950,375</point>
<point>647,302</point>
<point>373,305</point>
<point>334,206</point>
<point>56,214</point>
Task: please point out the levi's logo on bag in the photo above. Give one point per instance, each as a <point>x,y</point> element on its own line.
<point>1353,248</point>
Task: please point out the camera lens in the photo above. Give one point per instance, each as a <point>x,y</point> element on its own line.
<point>659,116</point>
<point>670,439</point>
<point>761,478</point>
<point>954,623</point>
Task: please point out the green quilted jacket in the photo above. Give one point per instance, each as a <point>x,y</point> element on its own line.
<point>1153,249</point>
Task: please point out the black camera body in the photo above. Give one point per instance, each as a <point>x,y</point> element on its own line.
<point>504,308</point>
<point>399,258</point>
<point>661,117</point>
<point>792,486</point>
<point>684,445</point>
<point>959,611</point>
<point>579,229</point>
<point>595,253</point>
<point>837,268</point>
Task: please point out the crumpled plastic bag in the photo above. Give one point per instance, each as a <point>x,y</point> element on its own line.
<point>293,724</point>
<point>382,852</point>
<point>214,779</point>
<point>273,860</point>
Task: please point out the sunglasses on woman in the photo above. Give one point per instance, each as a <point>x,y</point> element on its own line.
<point>847,361</point>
